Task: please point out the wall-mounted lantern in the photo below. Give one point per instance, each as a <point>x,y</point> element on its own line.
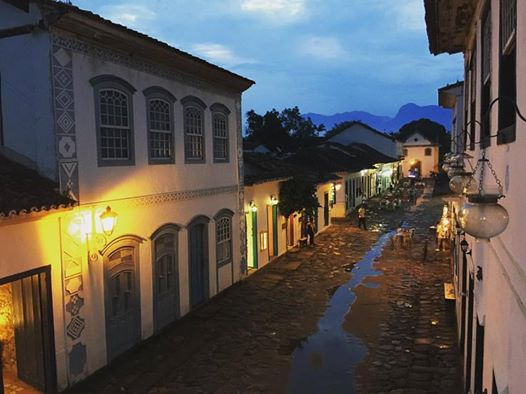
<point>273,200</point>
<point>108,220</point>
<point>337,186</point>
<point>253,206</point>
<point>482,216</point>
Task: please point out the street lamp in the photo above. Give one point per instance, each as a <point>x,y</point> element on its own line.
<point>108,220</point>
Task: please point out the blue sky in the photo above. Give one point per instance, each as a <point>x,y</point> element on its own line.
<point>325,56</point>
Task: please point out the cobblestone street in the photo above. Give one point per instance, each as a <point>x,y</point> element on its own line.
<point>255,337</point>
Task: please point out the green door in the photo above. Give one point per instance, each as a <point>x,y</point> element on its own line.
<point>275,230</point>
<point>254,240</point>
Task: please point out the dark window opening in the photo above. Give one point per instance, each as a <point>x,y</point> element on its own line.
<point>507,72</point>
<point>485,131</point>
<point>427,152</point>
<point>1,117</point>
<point>473,99</point>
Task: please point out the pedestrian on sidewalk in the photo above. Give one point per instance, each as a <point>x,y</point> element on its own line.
<point>361,217</point>
<point>310,232</point>
<point>441,237</point>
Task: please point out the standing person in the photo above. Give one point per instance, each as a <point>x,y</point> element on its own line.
<point>441,237</point>
<point>310,232</point>
<point>361,217</point>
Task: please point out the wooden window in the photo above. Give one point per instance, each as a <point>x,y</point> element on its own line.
<point>485,98</point>
<point>427,152</point>
<point>224,239</point>
<point>194,130</point>
<point>507,71</point>
<point>114,116</point>
<point>159,112</point>
<point>473,100</point>
<point>220,126</point>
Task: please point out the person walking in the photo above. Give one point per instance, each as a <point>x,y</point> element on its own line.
<point>310,232</point>
<point>361,217</point>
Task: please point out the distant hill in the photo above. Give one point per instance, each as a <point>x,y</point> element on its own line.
<point>406,114</point>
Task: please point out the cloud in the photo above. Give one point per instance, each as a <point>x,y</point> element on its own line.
<point>220,54</point>
<point>132,16</point>
<point>277,11</point>
<point>327,48</point>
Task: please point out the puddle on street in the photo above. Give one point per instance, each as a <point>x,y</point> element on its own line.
<point>325,361</point>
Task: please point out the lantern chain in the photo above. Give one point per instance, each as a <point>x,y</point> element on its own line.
<point>499,184</point>
<point>481,176</point>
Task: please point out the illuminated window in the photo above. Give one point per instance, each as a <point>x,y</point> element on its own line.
<point>224,237</point>
<point>220,131</point>
<point>263,240</point>
<point>114,116</point>
<point>159,104</point>
<point>194,130</point>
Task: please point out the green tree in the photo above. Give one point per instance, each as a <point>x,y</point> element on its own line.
<point>298,195</point>
<point>287,130</point>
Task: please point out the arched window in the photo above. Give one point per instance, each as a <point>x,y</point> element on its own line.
<point>223,237</point>
<point>427,152</point>
<point>194,130</point>
<point>114,118</point>
<point>159,107</point>
<point>220,132</point>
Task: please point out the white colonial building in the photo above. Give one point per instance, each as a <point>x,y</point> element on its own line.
<point>490,276</point>
<point>420,156</point>
<point>125,124</point>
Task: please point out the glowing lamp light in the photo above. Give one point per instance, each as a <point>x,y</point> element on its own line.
<point>463,183</point>
<point>483,217</point>
<point>108,220</point>
<point>273,200</point>
<point>253,206</point>
<point>338,186</point>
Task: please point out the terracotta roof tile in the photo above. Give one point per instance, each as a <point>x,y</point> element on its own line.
<point>24,191</point>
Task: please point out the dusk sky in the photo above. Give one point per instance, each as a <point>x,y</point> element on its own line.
<point>325,56</point>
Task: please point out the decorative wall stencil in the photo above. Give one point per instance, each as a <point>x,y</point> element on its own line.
<point>75,327</point>
<point>73,253</point>
<point>77,361</point>
<point>73,285</point>
<point>64,103</point>
<point>241,192</point>
<point>75,303</point>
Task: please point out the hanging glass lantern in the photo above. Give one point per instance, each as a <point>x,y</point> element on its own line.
<point>455,169</point>
<point>463,183</point>
<point>482,216</point>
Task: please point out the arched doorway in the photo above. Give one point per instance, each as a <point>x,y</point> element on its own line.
<point>122,295</point>
<point>198,265</point>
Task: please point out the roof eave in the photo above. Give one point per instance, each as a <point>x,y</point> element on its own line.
<point>103,32</point>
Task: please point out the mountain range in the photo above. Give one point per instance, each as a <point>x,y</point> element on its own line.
<point>405,114</point>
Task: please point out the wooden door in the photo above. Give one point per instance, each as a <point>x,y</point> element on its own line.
<point>123,328</point>
<point>198,263</point>
<point>28,331</point>
<point>291,230</point>
<point>166,281</point>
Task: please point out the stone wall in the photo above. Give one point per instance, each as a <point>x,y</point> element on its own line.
<point>7,332</point>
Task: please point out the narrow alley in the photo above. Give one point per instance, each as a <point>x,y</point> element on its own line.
<point>266,335</point>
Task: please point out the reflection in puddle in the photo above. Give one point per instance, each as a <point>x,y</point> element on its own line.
<point>325,361</point>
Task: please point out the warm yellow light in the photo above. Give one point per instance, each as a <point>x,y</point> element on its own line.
<point>338,186</point>
<point>108,220</point>
<point>273,200</point>
<point>253,206</point>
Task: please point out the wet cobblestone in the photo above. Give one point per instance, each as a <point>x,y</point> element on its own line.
<point>242,340</point>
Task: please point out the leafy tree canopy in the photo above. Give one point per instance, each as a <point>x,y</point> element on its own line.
<point>286,130</point>
<point>297,195</point>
